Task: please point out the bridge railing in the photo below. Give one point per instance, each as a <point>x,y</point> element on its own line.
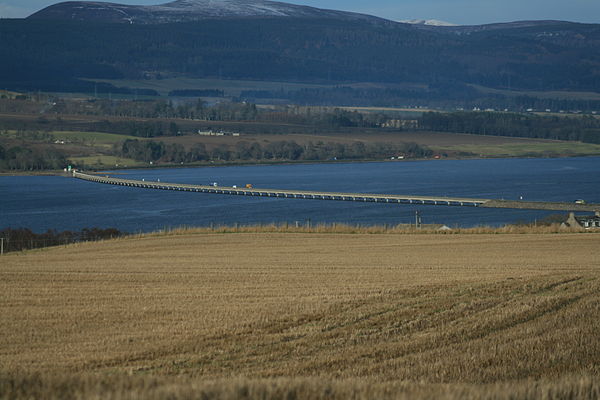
<point>357,197</point>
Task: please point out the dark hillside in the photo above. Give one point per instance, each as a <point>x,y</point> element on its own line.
<point>50,55</point>
<point>255,48</point>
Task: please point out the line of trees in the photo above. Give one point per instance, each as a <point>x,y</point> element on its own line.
<point>25,239</point>
<point>280,150</point>
<point>225,111</point>
<point>582,128</point>
<point>194,110</point>
<point>31,159</point>
<point>160,108</point>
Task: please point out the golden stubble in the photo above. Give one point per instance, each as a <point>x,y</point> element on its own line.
<point>462,308</point>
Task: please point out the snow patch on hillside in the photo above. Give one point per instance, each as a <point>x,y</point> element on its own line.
<point>429,22</point>
<point>191,10</point>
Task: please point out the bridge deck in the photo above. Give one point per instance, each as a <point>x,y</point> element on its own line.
<point>361,197</point>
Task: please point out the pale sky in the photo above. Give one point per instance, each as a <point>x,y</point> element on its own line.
<point>463,12</point>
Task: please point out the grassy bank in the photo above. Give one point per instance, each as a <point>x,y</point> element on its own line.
<point>401,229</point>
<point>23,239</point>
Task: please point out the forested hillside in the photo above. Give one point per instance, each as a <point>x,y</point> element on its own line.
<point>51,55</point>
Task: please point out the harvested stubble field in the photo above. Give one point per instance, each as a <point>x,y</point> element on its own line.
<point>304,315</point>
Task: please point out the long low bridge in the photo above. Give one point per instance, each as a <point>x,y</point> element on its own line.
<point>360,197</point>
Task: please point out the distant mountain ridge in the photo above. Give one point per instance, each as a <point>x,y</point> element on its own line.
<point>498,26</point>
<point>188,10</point>
<point>265,40</point>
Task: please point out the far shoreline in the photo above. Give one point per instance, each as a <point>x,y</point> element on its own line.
<point>282,162</point>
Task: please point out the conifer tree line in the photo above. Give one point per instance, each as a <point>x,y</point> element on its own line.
<point>146,151</point>
<point>581,128</point>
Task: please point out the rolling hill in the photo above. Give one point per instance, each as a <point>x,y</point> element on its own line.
<point>187,10</point>
<point>260,40</point>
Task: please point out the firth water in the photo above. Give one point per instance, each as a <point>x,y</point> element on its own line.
<point>48,202</point>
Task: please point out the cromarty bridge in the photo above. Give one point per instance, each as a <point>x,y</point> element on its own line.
<point>360,197</point>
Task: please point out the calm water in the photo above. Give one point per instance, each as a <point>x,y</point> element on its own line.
<point>41,203</point>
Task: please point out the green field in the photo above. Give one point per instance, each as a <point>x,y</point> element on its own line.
<point>104,161</point>
<point>528,149</point>
<point>82,148</point>
<point>90,137</point>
